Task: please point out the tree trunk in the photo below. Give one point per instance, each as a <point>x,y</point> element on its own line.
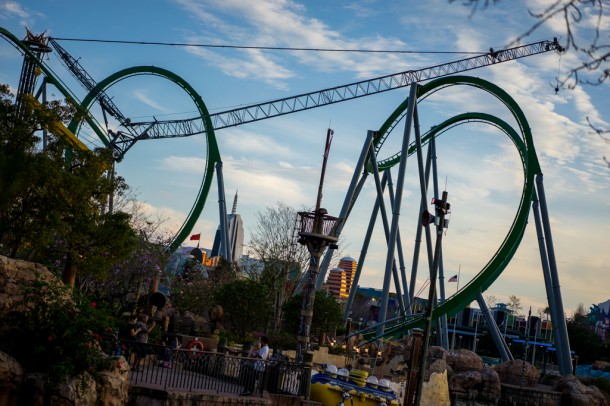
<point>69,274</point>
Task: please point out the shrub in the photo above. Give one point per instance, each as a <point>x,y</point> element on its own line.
<point>51,332</point>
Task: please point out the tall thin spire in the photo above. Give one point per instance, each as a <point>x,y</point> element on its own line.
<point>234,211</point>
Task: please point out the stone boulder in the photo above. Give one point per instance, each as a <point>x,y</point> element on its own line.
<point>601,366</point>
<point>435,389</point>
<point>462,360</point>
<point>511,372</point>
<point>575,393</point>
<point>11,377</point>
<point>110,388</point>
<point>483,385</point>
<point>113,386</point>
<point>436,362</point>
<point>77,391</point>
<point>15,275</point>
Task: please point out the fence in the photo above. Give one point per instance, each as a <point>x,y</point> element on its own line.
<point>192,370</point>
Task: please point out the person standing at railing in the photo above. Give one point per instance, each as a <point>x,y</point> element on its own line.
<point>254,372</point>
<point>171,344</point>
<point>127,333</point>
<point>142,340</point>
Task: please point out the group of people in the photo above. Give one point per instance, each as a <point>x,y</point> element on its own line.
<point>253,370</point>
<point>138,330</point>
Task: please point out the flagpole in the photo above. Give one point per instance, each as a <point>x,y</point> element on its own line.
<point>455,321</point>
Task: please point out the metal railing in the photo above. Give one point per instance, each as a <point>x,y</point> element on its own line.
<point>191,370</point>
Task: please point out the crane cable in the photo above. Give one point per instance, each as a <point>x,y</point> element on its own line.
<point>267,48</point>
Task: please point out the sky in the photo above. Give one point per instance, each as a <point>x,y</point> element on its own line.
<point>279,159</point>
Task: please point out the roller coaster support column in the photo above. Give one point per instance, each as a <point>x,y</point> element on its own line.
<point>401,260</point>
<point>363,251</point>
<point>383,310</point>
<point>423,181</point>
<point>551,277</point>
<point>444,333</point>
<point>318,230</point>
<point>418,233</point>
<point>495,332</point>
<point>384,220</point>
<point>441,208</point>
<point>350,197</point>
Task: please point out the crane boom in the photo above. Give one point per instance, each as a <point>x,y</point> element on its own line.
<point>306,101</point>
<point>103,99</point>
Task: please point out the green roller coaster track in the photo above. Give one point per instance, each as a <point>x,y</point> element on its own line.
<point>531,167</point>
<point>212,152</point>
<point>524,144</point>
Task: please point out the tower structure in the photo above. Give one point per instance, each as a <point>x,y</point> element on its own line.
<point>235,227</point>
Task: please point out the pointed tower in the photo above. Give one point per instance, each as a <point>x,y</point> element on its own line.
<point>236,234</point>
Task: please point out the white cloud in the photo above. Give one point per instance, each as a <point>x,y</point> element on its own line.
<point>10,9</point>
<point>233,141</point>
<point>261,183</point>
<point>142,96</point>
<point>285,24</point>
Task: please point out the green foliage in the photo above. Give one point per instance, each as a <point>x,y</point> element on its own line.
<point>327,314</point>
<point>583,340</point>
<point>246,304</point>
<point>51,208</point>
<point>53,333</point>
<point>514,304</point>
<point>129,281</point>
<point>283,341</point>
<point>194,289</point>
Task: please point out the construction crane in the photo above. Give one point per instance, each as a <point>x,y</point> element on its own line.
<point>122,141</point>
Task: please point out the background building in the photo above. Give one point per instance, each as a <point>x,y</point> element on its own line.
<point>339,280</point>
<point>235,226</point>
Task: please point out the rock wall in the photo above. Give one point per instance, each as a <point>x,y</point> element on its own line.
<point>11,376</point>
<point>18,387</point>
<point>15,275</point>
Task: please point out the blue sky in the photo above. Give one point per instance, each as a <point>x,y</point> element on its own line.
<point>279,159</point>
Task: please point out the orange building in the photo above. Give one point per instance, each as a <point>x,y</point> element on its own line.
<point>339,281</point>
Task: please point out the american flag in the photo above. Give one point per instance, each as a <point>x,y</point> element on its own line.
<point>454,278</point>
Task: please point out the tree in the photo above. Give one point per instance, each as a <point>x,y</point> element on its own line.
<point>128,281</point>
<point>51,207</point>
<point>583,339</point>
<point>583,21</point>
<point>327,314</point>
<point>543,311</point>
<point>246,304</point>
<point>491,300</point>
<point>194,289</point>
<point>514,304</point>
<point>189,290</point>
<point>584,24</point>
<point>580,314</point>
<point>272,241</point>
